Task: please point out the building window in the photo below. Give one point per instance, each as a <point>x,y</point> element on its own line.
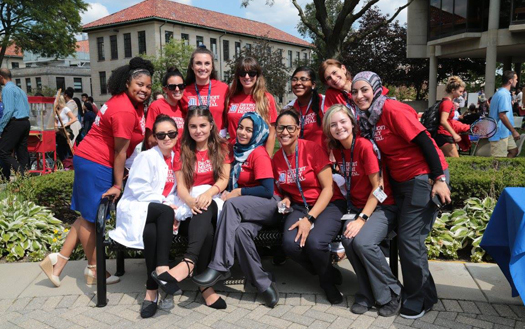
<point>77,84</point>
<point>290,58</point>
<point>226,50</point>
<point>18,83</point>
<point>28,85</point>
<point>100,48</point>
<point>168,35</point>
<point>298,55</point>
<point>213,43</point>
<point>237,49</point>
<point>200,41</point>
<point>518,11</point>
<point>248,47</point>
<point>103,83</point>
<point>450,17</point>
<point>38,83</point>
<point>61,83</point>
<point>280,52</point>
<point>15,65</point>
<point>127,45</point>
<point>142,42</point>
<point>114,46</point>
<point>186,38</point>
<point>305,57</point>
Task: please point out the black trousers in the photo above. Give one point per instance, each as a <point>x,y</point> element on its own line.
<point>200,230</point>
<point>63,150</point>
<point>14,138</point>
<point>157,236</point>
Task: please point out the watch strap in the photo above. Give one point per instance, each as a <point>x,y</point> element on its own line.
<point>363,216</point>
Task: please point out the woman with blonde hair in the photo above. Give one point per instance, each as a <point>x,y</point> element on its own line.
<point>64,129</point>
<point>248,93</point>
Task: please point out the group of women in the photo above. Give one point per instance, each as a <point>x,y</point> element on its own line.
<point>220,192</point>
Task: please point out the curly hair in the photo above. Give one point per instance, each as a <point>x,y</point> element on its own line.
<point>190,75</point>
<point>454,83</point>
<point>117,83</point>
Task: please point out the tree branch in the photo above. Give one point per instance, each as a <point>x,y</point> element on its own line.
<point>364,9</point>
<point>304,19</point>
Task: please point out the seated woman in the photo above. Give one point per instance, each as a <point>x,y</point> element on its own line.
<point>316,207</point>
<point>145,216</point>
<point>249,206</point>
<point>371,213</point>
<point>205,163</point>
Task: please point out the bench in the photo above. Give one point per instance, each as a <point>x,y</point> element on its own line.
<point>265,238</point>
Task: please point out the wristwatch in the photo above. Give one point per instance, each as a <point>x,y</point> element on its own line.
<point>441,178</point>
<point>311,218</point>
<point>363,216</point>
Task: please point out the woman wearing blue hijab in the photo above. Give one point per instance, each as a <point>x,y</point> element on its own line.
<point>248,207</point>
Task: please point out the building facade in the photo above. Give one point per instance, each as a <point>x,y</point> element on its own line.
<point>13,58</point>
<point>149,25</point>
<point>490,29</point>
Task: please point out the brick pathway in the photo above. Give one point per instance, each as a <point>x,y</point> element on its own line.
<point>244,311</point>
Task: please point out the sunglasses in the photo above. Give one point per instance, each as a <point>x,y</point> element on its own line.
<point>291,128</point>
<point>250,73</point>
<point>170,134</point>
<point>181,86</point>
<point>198,107</point>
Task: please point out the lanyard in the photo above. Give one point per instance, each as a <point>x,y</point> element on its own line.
<point>199,95</point>
<point>348,178</point>
<point>376,150</point>
<point>296,173</point>
<point>303,117</point>
<point>350,105</point>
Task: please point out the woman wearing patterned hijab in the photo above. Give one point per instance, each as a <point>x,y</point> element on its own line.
<point>418,172</point>
<point>249,206</point>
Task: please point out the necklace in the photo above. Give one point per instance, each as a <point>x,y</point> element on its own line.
<point>201,155</point>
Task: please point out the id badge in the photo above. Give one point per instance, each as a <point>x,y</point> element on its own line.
<point>348,217</point>
<point>379,194</point>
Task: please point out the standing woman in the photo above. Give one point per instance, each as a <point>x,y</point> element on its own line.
<point>99,162</point>
<point>68,119</point>
<point>316,207</point>
<point>173,86</point>
<point>446,136</point>
<point>372,217</point>
<point>248,93</point>
<point>145,214</point>
<point>204,161</point>
<point>203,88</point>
<point>418,172</point>
<point>249,206</point>
<point>334,74</point>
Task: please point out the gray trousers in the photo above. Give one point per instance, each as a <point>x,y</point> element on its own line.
<point>374,276</point>
<point>241,220</point>
<point>315,255</point>
<point>417,214</point>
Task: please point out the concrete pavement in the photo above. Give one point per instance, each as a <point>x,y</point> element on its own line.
<point>471,296</point>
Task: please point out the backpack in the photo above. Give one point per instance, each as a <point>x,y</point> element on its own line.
<point>430,119</point>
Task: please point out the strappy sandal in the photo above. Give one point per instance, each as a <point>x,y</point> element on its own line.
<point>220,304</point>
<point>91,279</point>
<point>168,283</point>
<point>47,266</point>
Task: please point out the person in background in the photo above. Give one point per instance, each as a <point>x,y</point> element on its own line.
<point>64,134</point>
<point>157,95</point>
<point>1,107</point>
<point>471,116</point>
<point>80,109</point>
<point>446,136</point>
<point>89,118</point>
<point>95,107</point>
<point>70,102</point>
<point>84,97</point>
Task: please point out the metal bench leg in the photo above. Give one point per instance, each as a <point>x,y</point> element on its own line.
<point>394,257</point>
<point>100,227</point>
<point>120,263</point>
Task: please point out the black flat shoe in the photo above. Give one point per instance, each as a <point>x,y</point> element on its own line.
<point>168,283</point>
<point>392,307</point>
<point>220,304</point>
<point>271,296</point>
<point>333,294</point>
<point>210,277</point>
<point>359,309</point>
<point>148,309</point>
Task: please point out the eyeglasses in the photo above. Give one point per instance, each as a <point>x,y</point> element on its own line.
<point>172,87</point>
<point>250,73</point>
<point>291,128</point>
<point>302,79</point>
<point>170,134</point>
<point>198,107</point>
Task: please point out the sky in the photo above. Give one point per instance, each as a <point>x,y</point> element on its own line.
<point>282,14</point>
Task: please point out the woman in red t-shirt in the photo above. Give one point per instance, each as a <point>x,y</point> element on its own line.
<point>173,86</point>
<point>446,136</point>
<point>203,88</point>
<point>248,93</point>
<point>204,162</point>
<point>316,207</point>
<point>371,213</point>
<point>100,159</point>
<point>419,176</point>
<point>334,74</point>
<point>249,205</point>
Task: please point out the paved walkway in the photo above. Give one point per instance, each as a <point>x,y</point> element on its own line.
<point>471,296</point>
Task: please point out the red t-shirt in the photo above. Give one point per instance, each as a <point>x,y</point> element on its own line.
<point>219,90</point>
<point>203,173</point>
<point>312,131</point>
<point>312,160</point>
<point>117,118</point>
<point>161,106</point>
<point>257,166</point>
<point>242,103</point>
<point>170,181</point>
<point>446,106</point>
<point>365,163</point>
<point>395,130</point>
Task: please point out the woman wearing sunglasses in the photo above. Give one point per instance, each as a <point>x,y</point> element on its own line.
<point>203,174</point>
<point>248,93</point>
<point>316,206</point>
<point>145,213</point>
<point>249,206</point>
<point>173,86</point>
<point>203,88</point>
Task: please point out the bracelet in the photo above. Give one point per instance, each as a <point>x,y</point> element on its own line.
<point>218,188</point>
<point>117,186</point>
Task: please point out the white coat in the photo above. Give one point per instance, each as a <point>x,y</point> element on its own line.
<point>146,182</point>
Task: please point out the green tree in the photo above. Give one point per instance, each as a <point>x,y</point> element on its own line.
<point>176,53</point>
<point>45,27</point>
